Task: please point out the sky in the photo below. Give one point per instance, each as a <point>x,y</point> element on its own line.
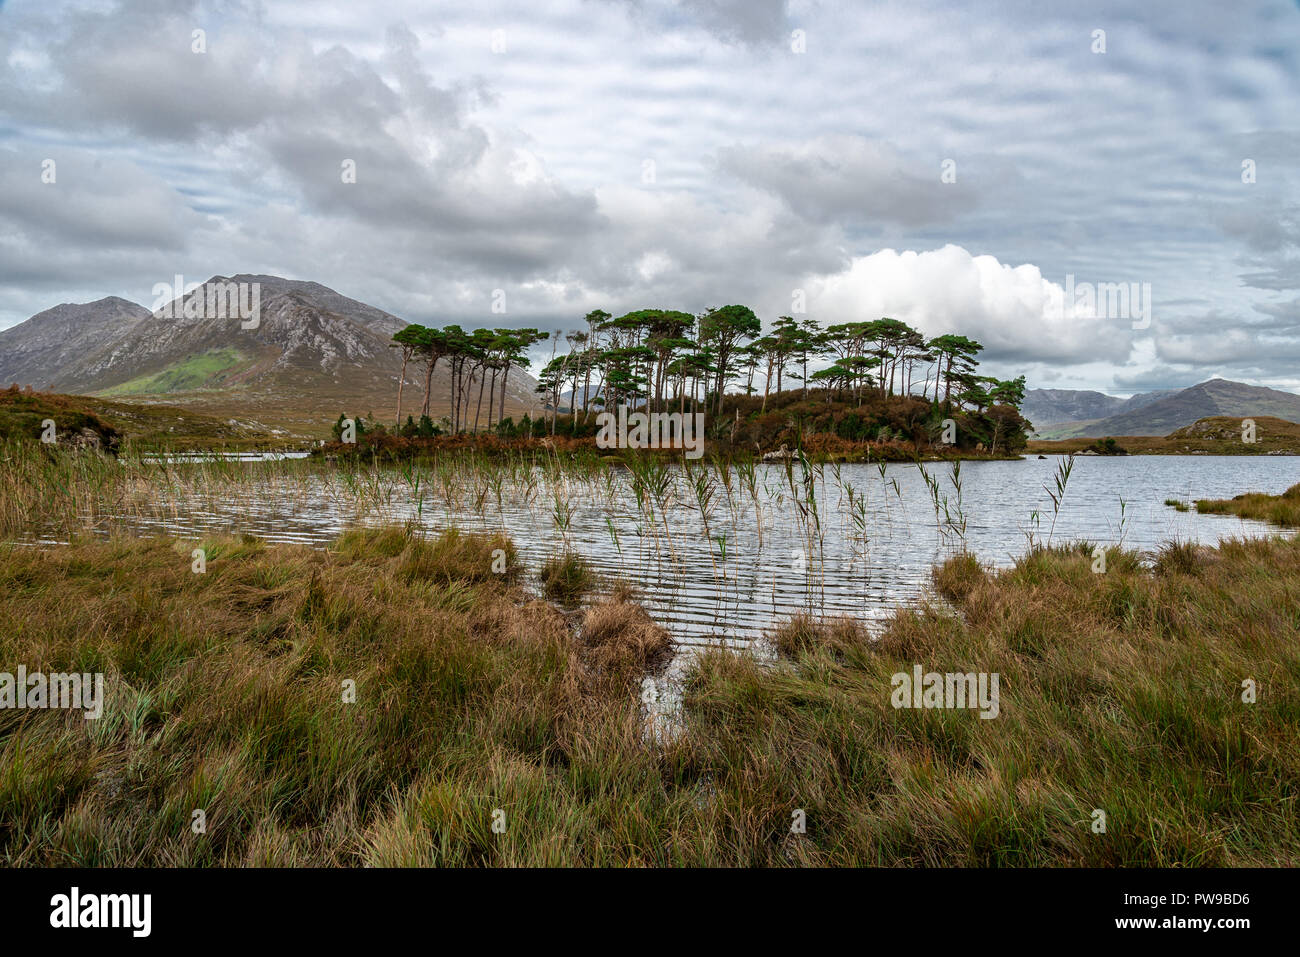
<point>958,166</point>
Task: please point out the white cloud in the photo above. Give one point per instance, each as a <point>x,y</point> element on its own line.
<point>1012,310</point>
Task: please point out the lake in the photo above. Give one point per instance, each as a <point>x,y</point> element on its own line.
<point>718,558</point>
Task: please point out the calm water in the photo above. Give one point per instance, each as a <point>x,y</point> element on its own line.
<point>860,545</point>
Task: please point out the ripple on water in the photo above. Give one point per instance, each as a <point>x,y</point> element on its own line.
<point>733,583</point>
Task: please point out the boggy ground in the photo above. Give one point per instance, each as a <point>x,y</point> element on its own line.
<point>1119,692</point>
<point>1281,509</point>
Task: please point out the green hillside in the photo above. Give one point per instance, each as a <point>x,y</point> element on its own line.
<point>207,370</point>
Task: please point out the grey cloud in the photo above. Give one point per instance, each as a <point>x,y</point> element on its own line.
<point>850,180</point>
<point>92,201</point>
<point>521,171</point>
<point>754,22</point>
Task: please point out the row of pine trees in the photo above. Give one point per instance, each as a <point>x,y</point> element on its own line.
<point>670,360</point>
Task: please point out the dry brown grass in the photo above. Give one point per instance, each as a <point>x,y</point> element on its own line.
<point>1281,509</point>
<point>802,634</point>
<point>623,642</point>
<point>1119,691</point>
<point>958,577</point>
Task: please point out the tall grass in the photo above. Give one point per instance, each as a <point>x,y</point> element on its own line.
<point>1120,692</point>
<point>1281,509</point>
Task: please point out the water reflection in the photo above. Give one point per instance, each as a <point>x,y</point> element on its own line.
<point>718,558</point>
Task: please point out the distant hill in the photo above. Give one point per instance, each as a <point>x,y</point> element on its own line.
<point>1215,435</point>
<point>312,355</point>
<point>1153,413</point>
<point>1060,413</point>
<point>1216,397</point>
<point>1048,407</point>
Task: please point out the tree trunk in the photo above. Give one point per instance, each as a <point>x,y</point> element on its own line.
<point>455,370</point>
<point>401,381</point>
<point>482,380</point>
<point>505,381</point>
<point>586,390</point>
<point>428,384</point>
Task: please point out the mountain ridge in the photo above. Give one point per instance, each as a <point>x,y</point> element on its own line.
<point>311,354</point>
<point>1159,413</point>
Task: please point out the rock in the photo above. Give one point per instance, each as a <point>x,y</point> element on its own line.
<point>778,456</point>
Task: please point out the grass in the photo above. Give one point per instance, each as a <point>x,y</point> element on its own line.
<point>958,576</point>
<point>135,424</point>
<point>566,578</point>
<point>1281,509</point>
<point>226,691</point>
<point>23,414</point>
<point>201,371</point>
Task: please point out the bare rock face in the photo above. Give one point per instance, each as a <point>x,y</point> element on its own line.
<point>36,352</point>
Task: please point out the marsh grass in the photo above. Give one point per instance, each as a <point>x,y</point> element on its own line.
<point>225,692</point>
<point>1281,509</point>
<point>957,577</point>
<point>1119,691</point>
<point>803,634</point>
<point>566,578</point>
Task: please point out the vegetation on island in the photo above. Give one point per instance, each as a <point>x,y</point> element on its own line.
<point>885,383</point>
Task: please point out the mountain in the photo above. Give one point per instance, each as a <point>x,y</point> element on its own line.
<point>36,351</point>
<point>1050,409</point>
<point>1215,397</point>
<point>311,355</point>
<point>1065,413</point>
<point>1146,398</point>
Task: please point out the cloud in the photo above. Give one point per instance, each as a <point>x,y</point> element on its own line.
<point>751,23</point>
<point>521,167</point>
<point>849,180</point>
<point>747,21</point>
<point>1012,310</point>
